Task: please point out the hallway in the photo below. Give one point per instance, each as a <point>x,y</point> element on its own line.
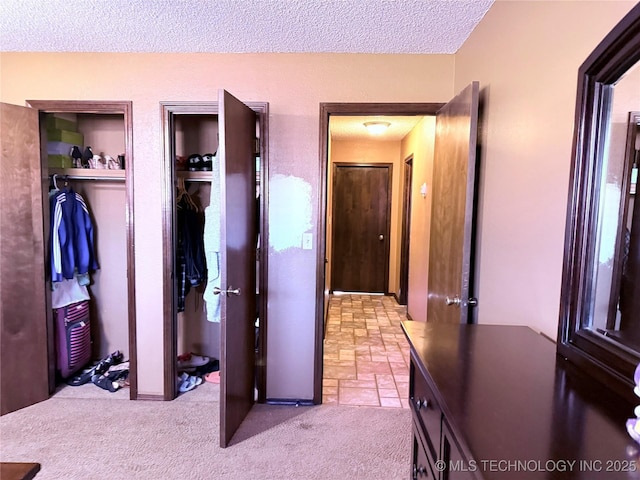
<point>366,355</point>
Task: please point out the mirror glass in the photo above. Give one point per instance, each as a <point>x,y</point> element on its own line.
<point>614,312</point>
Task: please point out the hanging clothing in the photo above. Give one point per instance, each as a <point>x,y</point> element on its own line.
<point>68,292</point>
<point>190,258</point>
<point>212,227</point>
<point>71,239</point>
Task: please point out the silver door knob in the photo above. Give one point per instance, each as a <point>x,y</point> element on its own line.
<point>230,291</point>
<point>455,301</point>
<point>381,237</point>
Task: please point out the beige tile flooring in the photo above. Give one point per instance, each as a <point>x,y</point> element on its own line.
<point>366,355</point>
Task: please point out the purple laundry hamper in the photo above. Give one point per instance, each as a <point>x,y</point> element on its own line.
<point>73,338</point>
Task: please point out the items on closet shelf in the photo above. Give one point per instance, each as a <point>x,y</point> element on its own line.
<point>190,258</point>
<point>195,162</point>
<point>212,245</point>
<point>72,258</point>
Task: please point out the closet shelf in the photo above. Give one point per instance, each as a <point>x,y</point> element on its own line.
<point>88,173</point>
<point>194,176</point>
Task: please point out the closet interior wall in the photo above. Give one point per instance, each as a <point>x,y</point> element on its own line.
<point>106,200</point>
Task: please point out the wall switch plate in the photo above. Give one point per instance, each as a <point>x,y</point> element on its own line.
<point>307,241</point>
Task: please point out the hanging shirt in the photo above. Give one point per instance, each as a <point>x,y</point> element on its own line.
<point>212,227</point>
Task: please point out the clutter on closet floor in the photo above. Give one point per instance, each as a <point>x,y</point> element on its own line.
<point>111,373</point>
<point>193,370</point>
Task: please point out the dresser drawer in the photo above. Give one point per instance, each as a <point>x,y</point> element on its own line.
<point>426,409</point>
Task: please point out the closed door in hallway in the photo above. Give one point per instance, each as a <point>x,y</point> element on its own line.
<point>361,225</point>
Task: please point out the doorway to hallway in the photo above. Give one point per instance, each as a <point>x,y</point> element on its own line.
<point>366,354</point>
<point>332,150</point>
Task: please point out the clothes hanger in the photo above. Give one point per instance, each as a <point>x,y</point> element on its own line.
<point>183,194</point>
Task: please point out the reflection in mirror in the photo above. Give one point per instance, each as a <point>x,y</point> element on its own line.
<point>616,300</point>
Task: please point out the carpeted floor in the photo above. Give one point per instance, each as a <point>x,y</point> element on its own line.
<point>96,439</point>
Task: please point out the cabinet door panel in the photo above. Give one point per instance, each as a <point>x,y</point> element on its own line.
<point>456,466</point>
<point>421,467</point>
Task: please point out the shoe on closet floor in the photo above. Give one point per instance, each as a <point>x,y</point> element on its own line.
<point>188,382</point>
<point>104,382</point>
<point>190,361</point>
<point>110,360</point>
<point>82,378</point>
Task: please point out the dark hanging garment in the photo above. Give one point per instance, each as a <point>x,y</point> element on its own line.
<point>190,258</point>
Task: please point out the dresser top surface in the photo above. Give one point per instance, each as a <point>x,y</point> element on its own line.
<point>507,396</point>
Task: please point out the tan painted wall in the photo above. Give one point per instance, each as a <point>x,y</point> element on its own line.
<point>526,57</point>
<point>373,151</point>
<point>419,143</point>
<point>294,86</point>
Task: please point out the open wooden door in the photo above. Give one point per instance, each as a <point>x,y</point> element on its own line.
<point>238,236</point>
<point>452,218</point>
<point>24,371</point>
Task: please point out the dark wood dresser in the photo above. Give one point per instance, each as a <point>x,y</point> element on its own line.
<point>497,402</point>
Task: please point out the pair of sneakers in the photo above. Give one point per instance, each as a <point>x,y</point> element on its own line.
<point>200,163</point>
<point>188,382</point>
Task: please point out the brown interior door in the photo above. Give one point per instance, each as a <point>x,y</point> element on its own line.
<point>24,371</point>
<point>361,216</point>
<point>452,216</point>
<point>238,236</point>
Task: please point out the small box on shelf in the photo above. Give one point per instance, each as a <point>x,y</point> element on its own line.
<point>54,122</point>
<point>60,161</point>
<point>66,136</point>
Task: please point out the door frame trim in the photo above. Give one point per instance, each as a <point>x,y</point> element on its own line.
<point>326,110</point>
<point>170,331</point>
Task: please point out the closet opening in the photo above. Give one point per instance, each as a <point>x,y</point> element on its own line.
<point>86,158</point>
<point>194,338</point>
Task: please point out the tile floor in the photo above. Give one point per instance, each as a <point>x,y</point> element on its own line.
<point>366,355</point>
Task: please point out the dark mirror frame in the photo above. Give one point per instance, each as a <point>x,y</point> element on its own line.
<point>593,353</point>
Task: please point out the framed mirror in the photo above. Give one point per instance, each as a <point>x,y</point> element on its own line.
<point>599,327</point>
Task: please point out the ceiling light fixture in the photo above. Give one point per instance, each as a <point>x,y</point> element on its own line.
<point>376,128</point>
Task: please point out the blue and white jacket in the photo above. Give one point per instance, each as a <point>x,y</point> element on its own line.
<point>72,249</point>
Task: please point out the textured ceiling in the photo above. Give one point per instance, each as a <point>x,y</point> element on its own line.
<point>239,26</point>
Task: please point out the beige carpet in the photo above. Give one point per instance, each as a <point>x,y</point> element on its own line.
<point>77,438</point>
